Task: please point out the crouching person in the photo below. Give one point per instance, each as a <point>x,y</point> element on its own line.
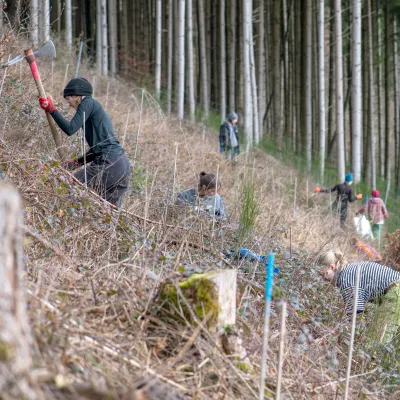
<point>109,169</point>
<point>205,196</point>
<point>377,283</point>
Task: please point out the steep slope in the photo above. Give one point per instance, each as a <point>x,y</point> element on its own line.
<point>90,271</point>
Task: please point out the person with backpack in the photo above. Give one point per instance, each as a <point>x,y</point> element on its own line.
<point>229,137</point>
<point>109,169</point>
<point>343,198</point>
<point>376,212</point>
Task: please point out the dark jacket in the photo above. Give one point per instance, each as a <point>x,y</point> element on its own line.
<point>224,134</point>
<point>99,132</point>
<point>344,194</point>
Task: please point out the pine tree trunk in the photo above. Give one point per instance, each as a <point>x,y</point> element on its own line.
<point>381,120</point>
<point>170,54</point>
<point>232,55</point>
<point>222,59</point>
<point>104,38</point>
<point>99,56</point>
<point>256,131</point>
<point>396,68</point>
<point>321,82</point>
<point>308,83</point>
<point>181,57</point>
<point>371,99</point>
<point>34,21</point>
<point>112,37</point>
<point>387,93</point>
<point>15,335</point>
<point>262,105</point>
<point>203,60</point>
<point>68,24</point>
<point>190,68</point>
<point>247,98</point>
<point>276,71</point>
<point>46,20</point>
<point>339,91</point>
<point>356,93</point>
<point>158,47</point>
<point>332,73</point>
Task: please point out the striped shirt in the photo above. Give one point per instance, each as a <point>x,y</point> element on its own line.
<point>374,279</point>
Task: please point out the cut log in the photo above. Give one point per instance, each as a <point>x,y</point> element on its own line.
<point>15,336</point>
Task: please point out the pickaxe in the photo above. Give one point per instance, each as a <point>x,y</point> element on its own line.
<point>47,50</point>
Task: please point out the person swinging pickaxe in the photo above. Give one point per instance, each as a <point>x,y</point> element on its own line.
<point>47,50</point>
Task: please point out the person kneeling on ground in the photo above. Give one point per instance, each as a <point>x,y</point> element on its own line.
<point>109,169</point>
<point>205,196</point>
<point>344,196</point>
<point>376,212</point>
<point>377,282</point>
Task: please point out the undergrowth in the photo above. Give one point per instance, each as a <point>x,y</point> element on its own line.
<point>94,274</point>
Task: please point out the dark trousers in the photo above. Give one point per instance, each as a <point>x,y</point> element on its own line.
<point>343,216</point>
<point>109,178</point>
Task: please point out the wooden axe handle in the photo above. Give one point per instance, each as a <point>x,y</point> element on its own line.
<point>30,57</point>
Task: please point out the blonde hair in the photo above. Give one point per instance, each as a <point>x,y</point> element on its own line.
<point>332,257</point>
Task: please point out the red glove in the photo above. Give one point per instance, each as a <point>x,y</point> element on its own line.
<point>47,104</point>
<point>317,190</point>
<point>359,196</point>
<point>70,165</point>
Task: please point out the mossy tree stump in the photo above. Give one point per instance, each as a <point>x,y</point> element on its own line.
<point>211,295</point>
<point>15,336</point>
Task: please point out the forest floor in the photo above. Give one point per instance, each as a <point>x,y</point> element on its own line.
<point>93,275</point>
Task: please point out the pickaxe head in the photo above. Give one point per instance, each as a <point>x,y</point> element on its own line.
<point>47,50</point>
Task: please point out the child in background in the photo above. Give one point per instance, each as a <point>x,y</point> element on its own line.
<point>229,137</point>
<point>376,212</point>
<point>205,196</point>
<point>344,196</point>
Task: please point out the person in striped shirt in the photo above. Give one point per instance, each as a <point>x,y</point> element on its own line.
<point>377,283</point>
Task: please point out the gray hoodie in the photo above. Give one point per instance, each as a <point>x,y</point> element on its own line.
<point>210,204</point>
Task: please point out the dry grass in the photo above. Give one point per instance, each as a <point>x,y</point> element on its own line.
<point>98,327</point>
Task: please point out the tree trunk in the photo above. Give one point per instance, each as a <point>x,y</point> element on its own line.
<point>256,132</point>
<point>222,59</point>
<point>262,104</point>
<point>104,38</point>
<point>46,20</point>
<point>247,106</point>
<point>321,82</point>
<point>68,24</point>
<point>276,71</point>
<point>381,120</point>
<point>356,93</point>
<point>232,56</point>
<point>112,37</point>
<point>203,60</point>
<point>181,57</point>
<point>34,21</point>
<point>158,47</point>
<point>396,75</point>
<point>339,91</point>
<point>387,93</point>
<point>99,57</point>
<point>190,69</point>
<point>15,335</point>
<point>308,83</point>
<point>371,99</point>
<point>170,54</point>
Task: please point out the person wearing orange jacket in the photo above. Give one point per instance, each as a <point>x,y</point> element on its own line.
<point>343,198</point>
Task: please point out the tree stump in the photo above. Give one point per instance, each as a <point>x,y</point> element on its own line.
<point>15,336</point>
